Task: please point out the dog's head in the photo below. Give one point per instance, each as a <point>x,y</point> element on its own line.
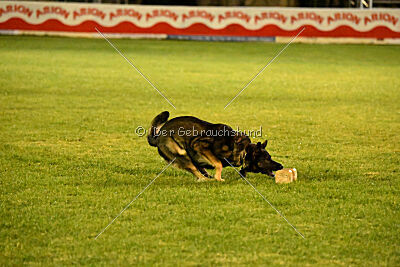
<point>258,160</point>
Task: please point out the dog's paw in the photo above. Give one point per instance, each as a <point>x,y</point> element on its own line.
<point>200,180</point>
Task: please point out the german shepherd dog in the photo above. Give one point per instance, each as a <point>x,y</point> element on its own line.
<point>197,145</point>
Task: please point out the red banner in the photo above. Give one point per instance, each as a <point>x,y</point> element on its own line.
<point>213,21</point>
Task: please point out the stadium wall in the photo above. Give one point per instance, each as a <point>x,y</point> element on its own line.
<point>200,23</point>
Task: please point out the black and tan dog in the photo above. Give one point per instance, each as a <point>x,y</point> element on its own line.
<point>197,145</point>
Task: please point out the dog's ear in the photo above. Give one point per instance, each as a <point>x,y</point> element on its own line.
<point>264,144</point>
<point>259,146</point>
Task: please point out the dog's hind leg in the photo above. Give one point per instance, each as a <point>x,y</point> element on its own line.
<point>196,172</point>
<point>186,164</point>
<point>203,148</point>
<point>182,160</point>
<point>215,162</point>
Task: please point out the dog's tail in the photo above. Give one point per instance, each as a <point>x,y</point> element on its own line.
<point>156,124</point>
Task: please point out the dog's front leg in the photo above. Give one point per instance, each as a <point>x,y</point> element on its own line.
<point>218,171</point>
<point>243,172</point>
<point>216,163</point>
<point>204,172</point>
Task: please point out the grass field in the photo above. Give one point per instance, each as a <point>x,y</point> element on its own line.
<point>70,160</point>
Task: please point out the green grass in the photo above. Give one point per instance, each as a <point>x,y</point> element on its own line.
<point>70,159</point>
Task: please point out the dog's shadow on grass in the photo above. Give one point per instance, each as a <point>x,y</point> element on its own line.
<point>174,176</point>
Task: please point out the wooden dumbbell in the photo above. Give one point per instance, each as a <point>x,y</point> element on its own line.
<point>286,175</point>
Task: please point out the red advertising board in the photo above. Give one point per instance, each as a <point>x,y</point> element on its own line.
<point>212,21</point>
